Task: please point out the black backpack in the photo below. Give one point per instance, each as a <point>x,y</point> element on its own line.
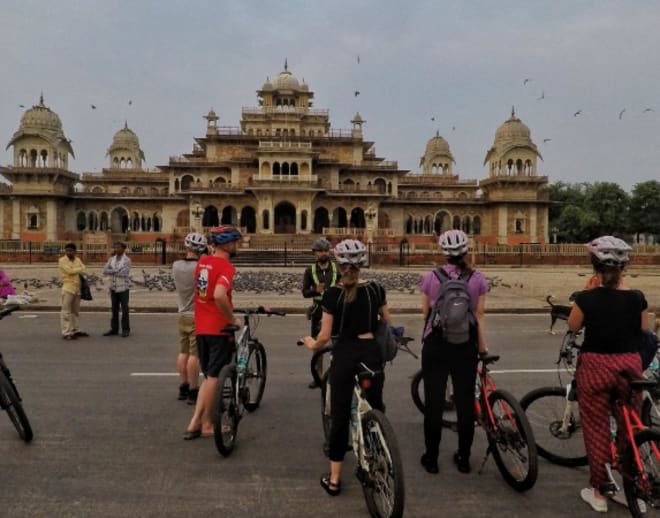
<point>452,316</point>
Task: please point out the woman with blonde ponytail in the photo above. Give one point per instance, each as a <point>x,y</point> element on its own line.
<point>350,313</point>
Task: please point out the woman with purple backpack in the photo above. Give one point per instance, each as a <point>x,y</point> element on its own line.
<point>451,352</point>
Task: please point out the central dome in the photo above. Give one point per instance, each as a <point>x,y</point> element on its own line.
<point>437,146</point>
<point>125,138</point>
<point>285,80</point>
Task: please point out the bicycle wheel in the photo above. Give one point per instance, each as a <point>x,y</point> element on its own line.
<point>10,402</point>
<point>326,416</point>
<point>651,411</point>
<point>449,419</point>
<point>382,483</point>
<point>225,411</point>
<point>511,440</point>
<point>556,425</point>
<point>645,485</point>
<point>255,376</point>
<point>312,363</point>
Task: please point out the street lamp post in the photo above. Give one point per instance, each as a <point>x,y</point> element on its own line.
<point>197,213</point>
<point>554,231</point>
<point>370,214</point>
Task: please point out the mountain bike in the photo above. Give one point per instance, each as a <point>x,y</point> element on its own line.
<point>10,399</point>
<point>498,412</point>
<point>373,441</point>
<point>242,382</point>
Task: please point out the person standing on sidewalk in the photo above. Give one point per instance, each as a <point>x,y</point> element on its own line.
<point>71,267</point>
<point>183,272</point>
<point>214,311</point>
<point>322,274</point>
<point>118,268</point>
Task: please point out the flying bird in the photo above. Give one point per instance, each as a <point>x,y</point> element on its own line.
<point>358,59</point>
<point>453,128</point>
<point>93,107</point>
<point>21,106</point>
<point>646,110</point>
<point>542,96</point>
<point>546,140</point>
<point>357,92</point>
<point>577,113</point>
<point>527,80</point>
<point>130,102</point>
<point>432,118</point>
<point>621,114</point>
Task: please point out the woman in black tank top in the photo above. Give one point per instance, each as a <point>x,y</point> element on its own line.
<point>350,313</point>
<point>613,318</point>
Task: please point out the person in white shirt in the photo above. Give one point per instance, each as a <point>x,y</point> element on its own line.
<point>118,268</point>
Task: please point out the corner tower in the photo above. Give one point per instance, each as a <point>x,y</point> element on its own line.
<point>125,151</point>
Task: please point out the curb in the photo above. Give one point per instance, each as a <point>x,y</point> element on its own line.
<point>288,310</point>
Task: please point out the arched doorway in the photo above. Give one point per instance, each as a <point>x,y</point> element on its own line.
<point>210,217</point>
<point>119,221</point>
<point>441,223</point>
<point>321,220</point>
<point>285,218</point>
<point>249,219</point>
<point>339,218</point>
<point>357,218</point>
<point>383,220</point>
<point>228,216</point>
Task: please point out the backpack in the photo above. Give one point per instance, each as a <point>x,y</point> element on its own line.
<point>382,334</point>
<point>452,316</point>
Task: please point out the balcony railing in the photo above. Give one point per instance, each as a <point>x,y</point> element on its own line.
<point>274,145</point>
<point>312,180</point>
<point>435,179</point>
<point>253,110</point>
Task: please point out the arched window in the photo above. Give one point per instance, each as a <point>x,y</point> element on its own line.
<point>476,225</point>
<point>276,168</point>
<point>303,220</point>
<point>456,223</point>
<point>81,221</point>
<point>266,220</point>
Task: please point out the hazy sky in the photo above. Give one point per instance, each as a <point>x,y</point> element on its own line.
<point>461,62</point>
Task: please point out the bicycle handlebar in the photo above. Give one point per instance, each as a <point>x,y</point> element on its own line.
<point>8,310</point>
<point>261,310</point>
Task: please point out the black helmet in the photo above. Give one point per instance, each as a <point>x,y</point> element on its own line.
<point>321,245</point>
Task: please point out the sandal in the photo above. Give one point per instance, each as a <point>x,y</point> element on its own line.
<point>332,488</point>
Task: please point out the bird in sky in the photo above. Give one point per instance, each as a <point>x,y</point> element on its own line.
<point>433,118</point>
<point>646,110</point>
<point>130,102</point>
<point>577,113</point>
<point>621,113</point>
<point>527,80</point>
<point>453,128</point>
<point>542,96</point>
<point>546,140</point>
<point>21,106</point>
<point>357,92</point>
<point>358,59</point>
<point>93,107</point>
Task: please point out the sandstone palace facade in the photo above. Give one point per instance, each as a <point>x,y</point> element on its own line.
<point>283,170</point>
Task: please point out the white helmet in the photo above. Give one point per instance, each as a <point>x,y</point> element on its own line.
<point>350,251</point>
<point>454,243</point>
<point>610,250</point>
<point>195,242</point>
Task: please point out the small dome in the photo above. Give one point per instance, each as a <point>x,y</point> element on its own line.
<point>41,117</point>
<point>126,139</point>
<point>513,130</point>
<point>42,122</point>
<point>267,85</point>
<point>437,146</point>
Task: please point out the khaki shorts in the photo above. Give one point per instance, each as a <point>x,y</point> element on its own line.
<point>187,340</point>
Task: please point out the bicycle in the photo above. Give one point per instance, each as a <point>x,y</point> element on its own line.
<point>374,444</point>
<point>498,412</point>
<point>242,382</point>
<point>553,412</point>
<point>10,399</point>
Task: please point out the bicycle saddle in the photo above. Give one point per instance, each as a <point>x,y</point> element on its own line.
<point>489,358</point>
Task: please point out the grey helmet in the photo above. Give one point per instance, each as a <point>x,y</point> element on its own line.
<point>195,242</point>
<point>321,245</point>
<point>610,250</point>
<point>453,243</point>
<point>351,251</point>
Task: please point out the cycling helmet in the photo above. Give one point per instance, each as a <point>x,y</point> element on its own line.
<point>454,243</point>
<point>610,250</point>
<point>224,234</point>
<point>195,242</point>
<point>321,245</point>
<point>350,251</point>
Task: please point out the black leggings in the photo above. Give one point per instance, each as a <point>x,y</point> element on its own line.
<point>438,362</point>
<point>346,357</point>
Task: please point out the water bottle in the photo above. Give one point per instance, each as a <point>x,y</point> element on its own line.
<point>242,361</point>
<point>655,365</point>
<point>354,414</point>
<point>613,427</point>
<point>477,389</point>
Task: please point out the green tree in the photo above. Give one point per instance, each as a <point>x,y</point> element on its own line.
<point>645,208</point>
<point>577,224</point>
<point>610,204</point>
<point>564,194</point>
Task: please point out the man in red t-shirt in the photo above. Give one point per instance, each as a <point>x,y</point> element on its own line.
<point>214,311</point>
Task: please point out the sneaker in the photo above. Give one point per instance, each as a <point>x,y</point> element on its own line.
<point>183,391</point>
<point>110,333</point>
<point>462,463</point>
<point>430,464</point>
<point>192,396</point>
<point>313,385</point>
<point>597,504</point>
<point>124,334</point>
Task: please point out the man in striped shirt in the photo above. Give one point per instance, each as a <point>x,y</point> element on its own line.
<point>118,268</point>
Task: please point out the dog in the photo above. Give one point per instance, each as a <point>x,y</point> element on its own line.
<point>557,312</point>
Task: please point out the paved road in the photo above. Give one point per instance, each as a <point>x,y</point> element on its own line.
<point>108,439</point>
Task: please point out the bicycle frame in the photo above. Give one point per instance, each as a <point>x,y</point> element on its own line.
<point>484,415</point>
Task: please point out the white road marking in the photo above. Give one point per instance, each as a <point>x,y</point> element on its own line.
<point>503,371</point>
